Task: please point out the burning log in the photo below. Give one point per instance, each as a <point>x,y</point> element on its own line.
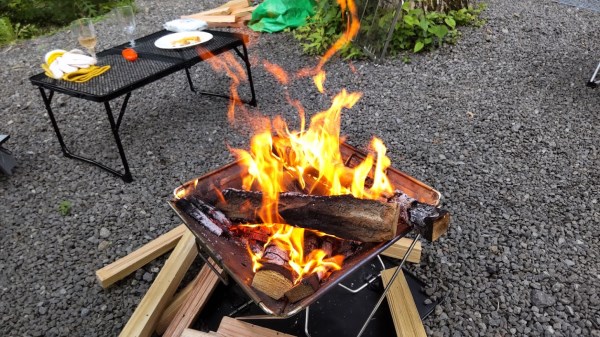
<point>431,222</point>
<point>343,216</point>
<point>206,215</point>
<point>306,287</point>
<point>274,277</point>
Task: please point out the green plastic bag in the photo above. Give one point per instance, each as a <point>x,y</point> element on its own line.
<point>276,15</point>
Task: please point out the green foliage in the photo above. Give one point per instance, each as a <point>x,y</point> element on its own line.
<point>64,207</point>
<point>33,17</point>
<point>419,28</point>
<point>7,32</point>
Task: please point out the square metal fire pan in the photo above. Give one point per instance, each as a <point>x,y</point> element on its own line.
<point>233,257</point>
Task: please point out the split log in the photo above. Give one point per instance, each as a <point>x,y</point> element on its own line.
<point>201,217</point>
<point>215,215</point>
<point>431,222</point>
<point>231,327</point>
<point>343,216</point>
<point>145,317</point>
<point>399,248</point>
<point>306,287</point>
<point>204,285</point>
<point>126,265</point>
<point>402,306</point>
<point>235,4</point>
<point>273,280</point>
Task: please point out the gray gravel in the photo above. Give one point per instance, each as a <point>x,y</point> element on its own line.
<point>501,123</point>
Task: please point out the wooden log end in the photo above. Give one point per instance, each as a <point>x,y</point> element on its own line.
<point>304,288</point>
<point>273,280</point>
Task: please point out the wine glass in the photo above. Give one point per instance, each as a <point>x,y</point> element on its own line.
<point>126,18</point>
<point>84,31</point>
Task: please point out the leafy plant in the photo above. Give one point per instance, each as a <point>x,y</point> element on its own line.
<point>423,25</point>
<point>64,207</point>
<point>31,18</point>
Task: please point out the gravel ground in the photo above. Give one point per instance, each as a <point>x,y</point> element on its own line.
<point>501,123</point>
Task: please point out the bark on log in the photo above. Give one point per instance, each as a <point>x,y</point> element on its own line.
<point>206,215</point>
<point>431,222</point>
<point>343,216</point>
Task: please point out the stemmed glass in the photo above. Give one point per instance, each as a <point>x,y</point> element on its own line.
<point>84,31</point>
<point>126,17</point>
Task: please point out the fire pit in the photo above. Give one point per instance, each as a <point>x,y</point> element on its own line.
<point>232,255</point>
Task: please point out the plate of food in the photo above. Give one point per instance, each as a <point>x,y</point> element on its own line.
<point>182,40</point>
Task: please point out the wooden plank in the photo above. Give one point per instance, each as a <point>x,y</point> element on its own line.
<point>215,11</point>
<point>234,4</point>
<point>243,11</point>
<point>203,287</point>
<point>146,315</point>
<point>399,248</point>
<point>173,307</point>
<point>214,18</point>
<point>231,327</point>
<point>402,305</point>
<point>137,259</point>
<point>196,333</point>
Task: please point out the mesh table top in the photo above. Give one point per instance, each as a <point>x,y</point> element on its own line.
<point>153,63</point>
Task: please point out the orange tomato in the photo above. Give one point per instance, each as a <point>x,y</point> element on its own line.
<point>129,54</point>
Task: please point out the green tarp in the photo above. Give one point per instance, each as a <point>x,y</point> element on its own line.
<point>276,15</point>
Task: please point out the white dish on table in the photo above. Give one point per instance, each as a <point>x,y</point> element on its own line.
<point>182,40</point>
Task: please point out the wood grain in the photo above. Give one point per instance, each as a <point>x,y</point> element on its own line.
<point>399,248</point>
<point>140,257</point>
<point>231,327</point>
<point>145,317</point>
<point>402,306</point>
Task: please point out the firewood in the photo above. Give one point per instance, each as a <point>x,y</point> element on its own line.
<point>143,320</point>
<point>126,265</point>
<point>431,222</point>
<point>235,4</point>
<point>402,306</point>
<point>203,287</point>
<point>196,333</point>
<point>306,287</point>
<point>174,306</point>
<point>274,280</point>
<point>231,327</point>
<point>215,11</point>
<point>343,216</point>
<point>243,11</point>
<point>215,215</point>
<point>399,248</point>
<point>200,217</point>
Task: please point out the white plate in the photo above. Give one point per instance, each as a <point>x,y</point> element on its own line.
<point>168,41</point>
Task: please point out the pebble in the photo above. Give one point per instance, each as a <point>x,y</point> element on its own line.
<point>104,232</point>
<point>541,299</point>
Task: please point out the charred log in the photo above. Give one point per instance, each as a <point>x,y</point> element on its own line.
<point>343,216</point>
<point>200,217</point>
<point>431,222</point>
<point>306,287</point>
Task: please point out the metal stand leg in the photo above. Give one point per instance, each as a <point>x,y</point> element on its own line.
<point>244,57</point>
<point>306,322</point>
<point>387,288</point>
<point>592,83</point>
<point>126,176</point>
<point>189,78</point>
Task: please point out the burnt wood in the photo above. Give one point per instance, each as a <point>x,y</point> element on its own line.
<point>430,221</point>
<point>274,280</point>
<point>200,217</point>
<point>343,216</point>
<point>306,287</point>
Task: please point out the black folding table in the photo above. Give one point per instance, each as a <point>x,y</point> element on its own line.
<point>124,77</point>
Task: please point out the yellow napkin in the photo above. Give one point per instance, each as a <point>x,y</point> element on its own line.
<point>85,74</point>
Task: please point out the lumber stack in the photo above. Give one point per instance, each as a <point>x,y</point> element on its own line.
<point>233,14</point>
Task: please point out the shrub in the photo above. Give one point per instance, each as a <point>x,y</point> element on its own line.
<point>423,25</point>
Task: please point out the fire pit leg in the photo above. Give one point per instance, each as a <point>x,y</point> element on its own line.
<point>306,322</point>
<point>223,279</point>
<point>387,288</point>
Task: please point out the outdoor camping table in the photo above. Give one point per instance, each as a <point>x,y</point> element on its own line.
<point>124,77</point>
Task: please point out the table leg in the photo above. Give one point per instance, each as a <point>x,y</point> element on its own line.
<point>126,176</point>
<point>244,57</point>
<point>189,78</point>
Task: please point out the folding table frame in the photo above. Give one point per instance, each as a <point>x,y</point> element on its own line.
<point>124,77</point>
